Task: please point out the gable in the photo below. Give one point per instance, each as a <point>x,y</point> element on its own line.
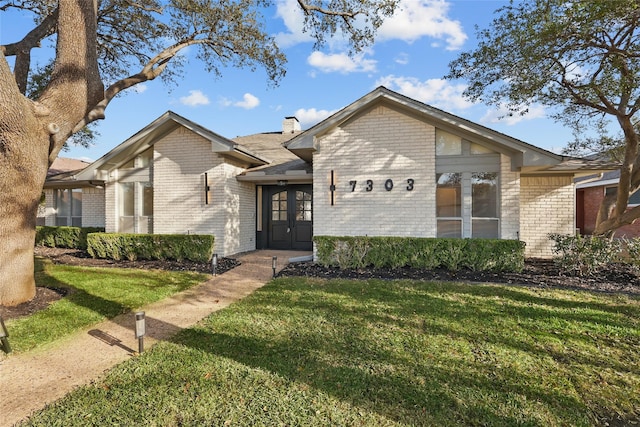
<point>525,157</point>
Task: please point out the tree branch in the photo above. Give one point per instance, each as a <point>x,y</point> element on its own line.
<point>22,49</point>
<point>149,72</point>
<point>309,8</point>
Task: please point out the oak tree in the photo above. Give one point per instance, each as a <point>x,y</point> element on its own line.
<point>579,58</point>
<point>124,43</point>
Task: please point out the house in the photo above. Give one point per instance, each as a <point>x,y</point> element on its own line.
<point>590,191</point>
<point>386,165</point>
<point>68,200</point>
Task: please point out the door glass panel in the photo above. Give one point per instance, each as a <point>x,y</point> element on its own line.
<point>279,206</point>
<point>303,206</point>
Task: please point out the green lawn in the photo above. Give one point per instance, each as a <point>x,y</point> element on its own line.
<point>305,352</point>
<point>96,294</point>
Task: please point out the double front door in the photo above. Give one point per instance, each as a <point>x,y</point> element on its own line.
<point>290,223</point>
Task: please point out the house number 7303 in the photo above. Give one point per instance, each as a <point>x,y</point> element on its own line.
<point>388,185</point>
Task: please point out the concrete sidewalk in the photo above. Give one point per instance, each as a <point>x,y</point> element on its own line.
<point>30,381</point>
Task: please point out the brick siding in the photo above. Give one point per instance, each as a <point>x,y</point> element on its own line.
<point>546,206</point>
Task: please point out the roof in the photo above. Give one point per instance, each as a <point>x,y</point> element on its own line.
<point>64,165</point>
<point>285,166</point>
<point>61,173</point>
<point>157,129</point>
<point>525,157</point>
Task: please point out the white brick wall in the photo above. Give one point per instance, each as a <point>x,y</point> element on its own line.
<point>180,161</point>
<point>93,205</point>
<point>547,205</point>
<point>381,144</point>
<point>509,200</point>
<point>49,208</point>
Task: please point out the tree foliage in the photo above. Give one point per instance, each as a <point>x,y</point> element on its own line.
<point>104,47</point>
<point>581,59</point>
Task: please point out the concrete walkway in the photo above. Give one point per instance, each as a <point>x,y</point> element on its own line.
<point>29,381</point>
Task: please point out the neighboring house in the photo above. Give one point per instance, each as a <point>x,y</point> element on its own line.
<point>590,191</point>
<point>386,165</point>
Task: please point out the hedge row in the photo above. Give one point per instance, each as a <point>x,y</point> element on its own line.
<point>64,237</point>
<point>429,253</point>
<point>179,247</point>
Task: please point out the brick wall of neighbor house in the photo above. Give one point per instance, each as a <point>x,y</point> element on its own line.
<point>380,145</point>
<point>509,200</point>
<point>592,199</point>
<point>93,207</point>
<point>547,205</point>
<point>180,161</point>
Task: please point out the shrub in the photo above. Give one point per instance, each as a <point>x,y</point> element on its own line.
<point>177,247</point>
<point>630,252</point>
<point>64,237</point>
<point>398,252</point>
<point>584,255</point>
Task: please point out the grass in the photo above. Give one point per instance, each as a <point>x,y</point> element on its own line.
<point>96,294</point>
<point>315,353</point>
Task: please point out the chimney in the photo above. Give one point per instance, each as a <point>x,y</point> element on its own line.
<point>290,125</point>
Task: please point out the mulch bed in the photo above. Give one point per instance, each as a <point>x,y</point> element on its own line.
<point>537,273</point>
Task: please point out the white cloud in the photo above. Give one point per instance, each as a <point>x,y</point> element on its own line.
<point>248,102</point>
<point>415,19</point>
<point>195,99</point>
<point>412,20</point>
<point>502,115</point>
<point>437,92</point>
<point>311,116</point>
<point>341,63</point>
<point>402,58</point>
<point>140,88</point>
<point>291,14</point>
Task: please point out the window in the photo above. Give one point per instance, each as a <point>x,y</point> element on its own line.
<point>634,199</point>
<point>279,206</point>
<point>69,207</point>
<point>448,144</point>
<point>449,204</point>
<point>467,205</point>
<point>484,201</point>
<point>135,194</point>
<point>303,206</point>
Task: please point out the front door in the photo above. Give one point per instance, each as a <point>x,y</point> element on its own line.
<point>290,217</point>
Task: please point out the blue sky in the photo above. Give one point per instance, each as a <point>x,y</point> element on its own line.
<point>411,56</point>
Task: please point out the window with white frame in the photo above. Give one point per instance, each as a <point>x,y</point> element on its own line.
<point>135,195</point>
<point>68,204</point>
<point>467,188</point>
<point>449,204</point>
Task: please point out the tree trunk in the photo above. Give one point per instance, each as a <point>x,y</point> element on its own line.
<point>32,134</point>
<point>23,168</point>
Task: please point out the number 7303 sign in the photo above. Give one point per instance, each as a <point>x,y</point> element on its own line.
<point>369,185</point>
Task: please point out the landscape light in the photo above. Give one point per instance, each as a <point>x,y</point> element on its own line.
<point>140,330</point>
<point>4,337</point>
<point>274,264</point>
<point>214,263</point>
